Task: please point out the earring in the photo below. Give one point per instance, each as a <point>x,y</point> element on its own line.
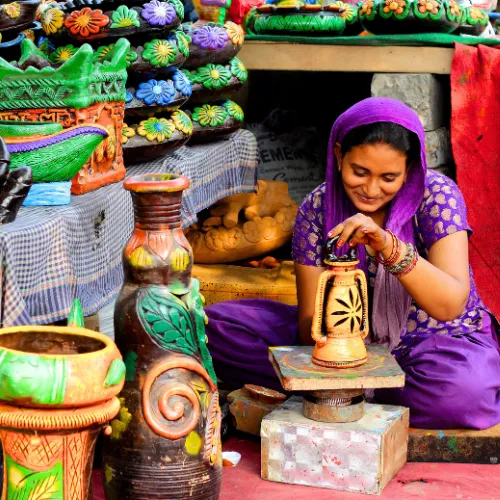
<point>339,168</point>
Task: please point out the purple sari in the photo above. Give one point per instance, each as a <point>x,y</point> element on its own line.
<point>452,368</point>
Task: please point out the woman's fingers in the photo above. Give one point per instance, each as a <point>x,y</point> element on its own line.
<point>336,230</point>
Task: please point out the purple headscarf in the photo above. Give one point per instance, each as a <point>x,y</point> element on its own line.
<point>391,302</point>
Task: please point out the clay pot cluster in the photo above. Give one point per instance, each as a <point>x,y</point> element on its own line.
<point>168,63</point>
<point>379,17</point>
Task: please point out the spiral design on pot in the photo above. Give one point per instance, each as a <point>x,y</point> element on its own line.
<point>173,411</point>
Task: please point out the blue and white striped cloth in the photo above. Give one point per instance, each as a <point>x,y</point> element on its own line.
<point>50,255</point>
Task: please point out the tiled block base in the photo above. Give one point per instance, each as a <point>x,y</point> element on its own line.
<point>361,456</point>
<point>458,446</point>
<point>248,412</point>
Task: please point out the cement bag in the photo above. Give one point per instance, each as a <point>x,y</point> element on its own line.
<point>290,153</point>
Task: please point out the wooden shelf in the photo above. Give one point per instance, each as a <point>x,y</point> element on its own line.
<point>345,58</point>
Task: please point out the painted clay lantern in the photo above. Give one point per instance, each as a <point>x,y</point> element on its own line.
<point>340,321</point>
<point>81,90</point>
<point>167,437</point>
<point>59,388</point>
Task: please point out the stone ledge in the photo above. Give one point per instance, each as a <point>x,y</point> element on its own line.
<point>455,446</point>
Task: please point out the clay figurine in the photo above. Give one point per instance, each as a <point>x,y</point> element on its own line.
<point>340,320</point>
<point>14,186</point>
<point>167,437</point>
<point>267,219</point>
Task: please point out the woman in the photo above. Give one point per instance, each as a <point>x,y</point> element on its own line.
<point>411,233</point>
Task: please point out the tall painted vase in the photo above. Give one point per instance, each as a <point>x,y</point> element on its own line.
<point>165,444</point>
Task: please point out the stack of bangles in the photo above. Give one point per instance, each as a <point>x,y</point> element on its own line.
<point>407,264</point>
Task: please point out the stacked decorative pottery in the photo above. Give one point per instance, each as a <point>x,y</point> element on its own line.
<point>215,74</point>
<point>16,24</point>
<point>156,88</point>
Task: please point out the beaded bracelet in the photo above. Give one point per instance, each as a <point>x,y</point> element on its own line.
<point>395,253</point>
<point>412,265</point>
<point>401,266</point>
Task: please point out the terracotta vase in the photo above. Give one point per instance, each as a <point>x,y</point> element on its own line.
<point>58,390</point>
<point>340,321</point>
<point>166,442</point>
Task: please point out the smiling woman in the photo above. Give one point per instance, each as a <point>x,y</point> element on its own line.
<point>410,230</point>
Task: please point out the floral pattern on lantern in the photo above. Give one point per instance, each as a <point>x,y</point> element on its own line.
<point>183,42</point>
<point>396,6</point>
<point>127,133</point>
<point>86,22</point>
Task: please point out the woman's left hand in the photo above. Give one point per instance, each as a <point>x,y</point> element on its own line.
<point>361,230</point>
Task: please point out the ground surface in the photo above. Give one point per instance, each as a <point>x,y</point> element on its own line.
<point>415,480</point>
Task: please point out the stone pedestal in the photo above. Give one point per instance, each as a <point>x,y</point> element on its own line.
<point>360,456</point>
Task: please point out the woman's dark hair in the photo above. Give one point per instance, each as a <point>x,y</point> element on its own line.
<point>392,134</point>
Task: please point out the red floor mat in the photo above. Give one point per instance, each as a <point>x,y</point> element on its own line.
<point>424,481</point>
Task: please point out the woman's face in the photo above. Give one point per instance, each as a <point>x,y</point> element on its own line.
<point>372,175</point>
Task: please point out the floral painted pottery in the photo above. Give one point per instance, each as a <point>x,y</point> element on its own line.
<point>80,90</point>
<point>155,137</point>
<point>215,121</point>
<point>165,92</point>
<point>244,226</point>
<point>59,389</point>
<point>170,403</point>
<point>212,43</point>
<point>340,320</point>
<point>216,81</point>
<point>55,157</point>
<point>17,15</point>
<point>297,18</point>
<point>383,17</point>
<point>94,20</point>
<point>474,21</point>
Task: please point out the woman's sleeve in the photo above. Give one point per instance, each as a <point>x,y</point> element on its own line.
<point>307,244</point>
<point>443,210</point>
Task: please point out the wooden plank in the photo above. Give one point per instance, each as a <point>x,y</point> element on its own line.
<point>455,445</point>
<point>345,58</point>
<point>296,371</point>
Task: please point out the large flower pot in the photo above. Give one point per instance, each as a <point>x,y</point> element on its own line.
<point>58,390</point>
<point>166,442</point>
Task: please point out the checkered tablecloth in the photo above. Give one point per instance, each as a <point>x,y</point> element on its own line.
<point>51,255</point>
